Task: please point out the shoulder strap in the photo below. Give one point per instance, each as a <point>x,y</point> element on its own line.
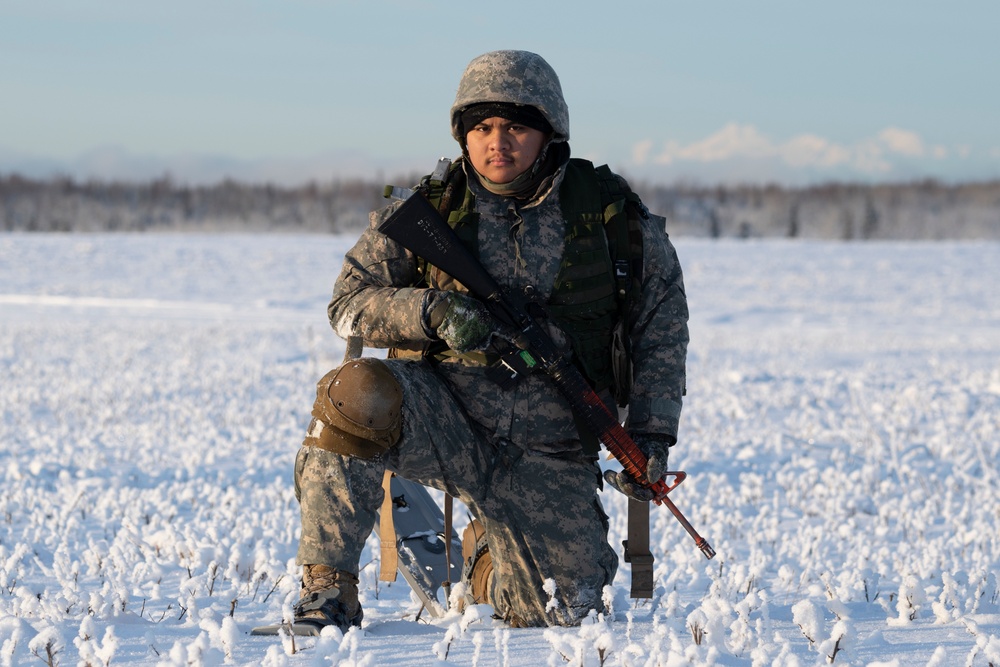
<point>622,212</point>
<point>452,198</point>
<point>441,186</point>
<point>581,191</point>
<point>445,188</point>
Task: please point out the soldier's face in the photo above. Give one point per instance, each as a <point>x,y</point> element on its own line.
<point>501,150</point>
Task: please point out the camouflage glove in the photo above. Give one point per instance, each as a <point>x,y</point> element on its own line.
<point>657,450</point>
<point>462,322</point>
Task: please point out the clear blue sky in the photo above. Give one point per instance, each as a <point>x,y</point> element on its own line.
<point>707,91</point>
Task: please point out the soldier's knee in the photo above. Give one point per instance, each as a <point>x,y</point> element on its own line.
<point>357,410</point>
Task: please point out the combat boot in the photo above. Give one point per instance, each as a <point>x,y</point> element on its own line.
<point>477,568</point>
<point>329,597</point>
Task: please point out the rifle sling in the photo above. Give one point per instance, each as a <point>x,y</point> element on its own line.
<point>637,549</point>
<point>588,440</point>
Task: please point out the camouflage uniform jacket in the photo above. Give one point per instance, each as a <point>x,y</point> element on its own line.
<point>380,296</point>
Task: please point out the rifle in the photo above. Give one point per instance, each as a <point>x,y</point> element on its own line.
<point>419,227</point>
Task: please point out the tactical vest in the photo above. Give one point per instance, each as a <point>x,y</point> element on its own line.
<point>601,271</point>
<point>599,279</point>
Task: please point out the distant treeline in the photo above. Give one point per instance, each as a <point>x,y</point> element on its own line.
<point>64,205</point>
<point>916,210</point>
<point>922,210</point>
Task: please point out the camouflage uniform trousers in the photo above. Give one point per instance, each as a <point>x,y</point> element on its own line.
<point>541,512</point>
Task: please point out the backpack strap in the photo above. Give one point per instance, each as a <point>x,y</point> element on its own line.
<point>622,222</point>
<point>446,190</point>
<point>623,211</point>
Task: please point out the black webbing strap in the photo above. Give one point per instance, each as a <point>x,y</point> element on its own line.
<point>637,549</point>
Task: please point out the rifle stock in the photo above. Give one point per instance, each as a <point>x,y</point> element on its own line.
<point>417,226</point>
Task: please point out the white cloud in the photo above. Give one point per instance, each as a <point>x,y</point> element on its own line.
<point>640,152</point>
<point>744,143</point>
<point>732,141</point>
<point>868,157</point>
<point>669,151</point>
<point>810,150</point>
<point>903,142</point>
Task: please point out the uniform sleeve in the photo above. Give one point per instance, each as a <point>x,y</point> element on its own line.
<point>659,337</point>
<point>376,296</point>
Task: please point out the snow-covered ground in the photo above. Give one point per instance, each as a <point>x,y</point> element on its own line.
<point>840,436</point>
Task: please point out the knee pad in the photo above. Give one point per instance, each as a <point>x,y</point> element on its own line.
<point>357,410</point>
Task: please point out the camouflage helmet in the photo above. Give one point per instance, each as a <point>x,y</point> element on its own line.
<point>512,77</point>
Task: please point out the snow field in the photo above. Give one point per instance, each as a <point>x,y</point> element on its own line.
<point>840,436</point>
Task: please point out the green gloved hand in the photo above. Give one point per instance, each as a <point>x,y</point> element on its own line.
<point>463,322</point>
<point>657,450</point>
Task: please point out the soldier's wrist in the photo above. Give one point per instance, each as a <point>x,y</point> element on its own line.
<point>435,308</point>
<point>660,438</point>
